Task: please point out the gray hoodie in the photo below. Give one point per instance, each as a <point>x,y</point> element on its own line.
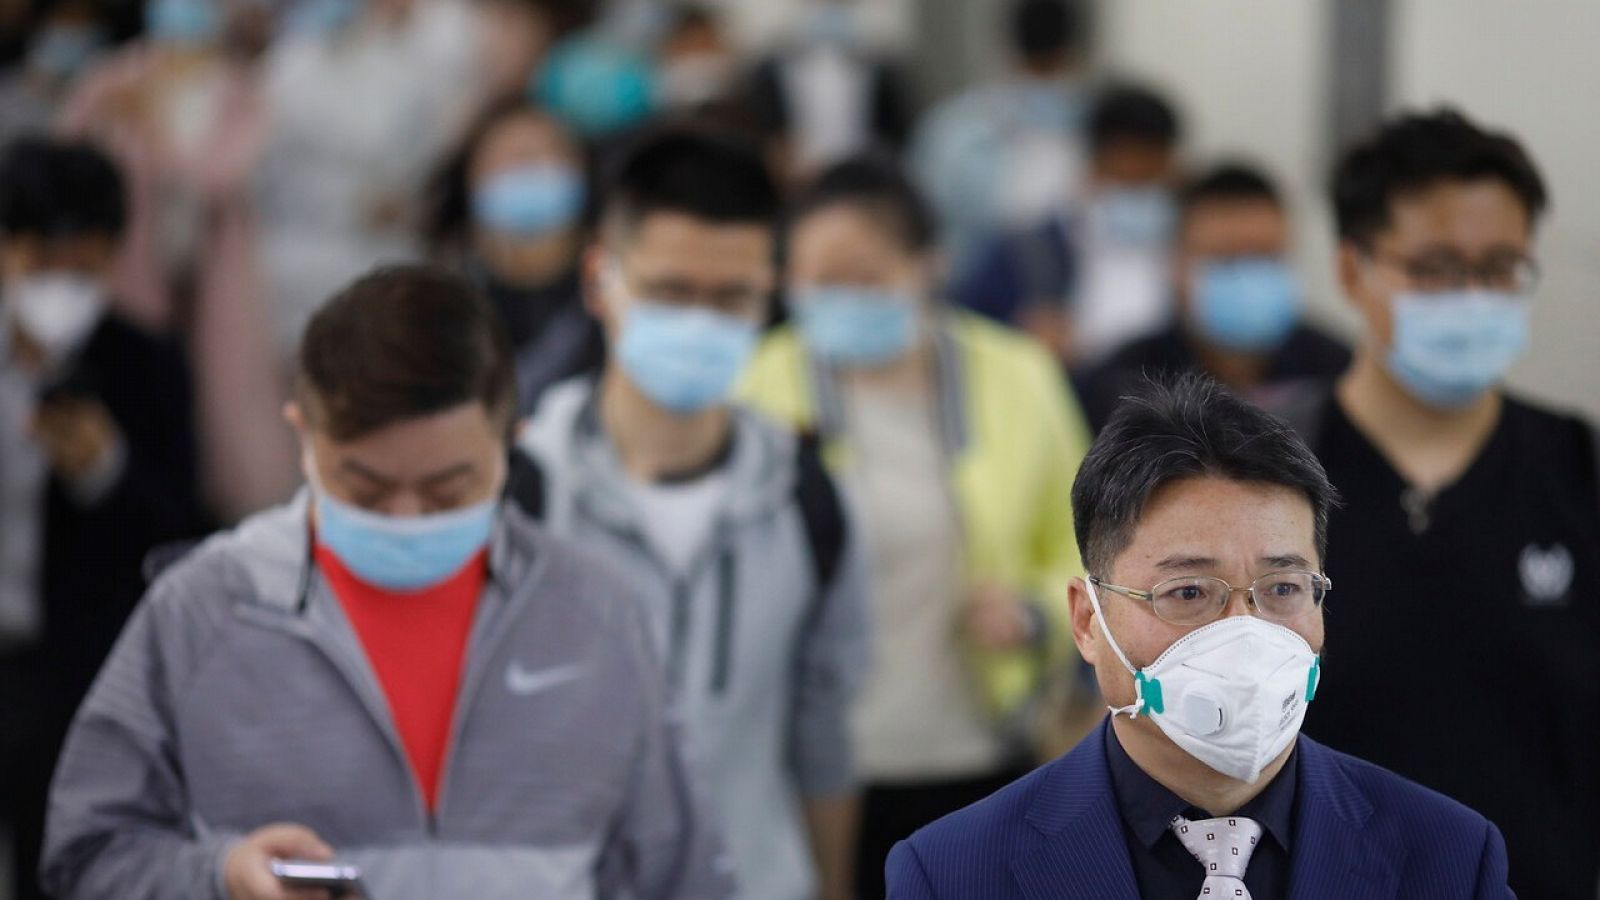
<point>765,662</point>
<point>239,696</point>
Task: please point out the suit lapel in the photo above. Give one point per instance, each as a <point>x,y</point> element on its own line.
<point>1336,856</point>
<point>1083,855</point>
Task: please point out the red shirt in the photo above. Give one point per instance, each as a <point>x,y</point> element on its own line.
<point>416,643</point>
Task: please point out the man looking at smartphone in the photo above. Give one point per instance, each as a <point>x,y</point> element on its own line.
<point>96,461</point>
<point>396,669</point>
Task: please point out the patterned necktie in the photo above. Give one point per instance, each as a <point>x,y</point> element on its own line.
<point>1223,846</point>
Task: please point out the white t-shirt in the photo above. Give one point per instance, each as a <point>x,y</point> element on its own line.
<point>677,517</point>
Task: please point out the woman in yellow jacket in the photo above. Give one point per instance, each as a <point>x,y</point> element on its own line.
<point>957,443</point>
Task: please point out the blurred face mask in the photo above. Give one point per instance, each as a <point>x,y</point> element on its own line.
<point>62,51</point>
<point>530,201</point>
<point>57,310</point>
<point>833,23</point>
<point>1142,216</point>
<point>856,326</point>
<point>183,22</point>
<point>1250,305</point>
<point>684,359</point>
<point>1232,694</point>
<point>1450,347</point>
<point>401,553</point>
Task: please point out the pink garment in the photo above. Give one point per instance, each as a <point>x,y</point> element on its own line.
<point>248,454</point>
<point>118,105</point>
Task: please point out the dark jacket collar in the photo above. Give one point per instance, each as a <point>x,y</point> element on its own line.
<point>1082,855</point>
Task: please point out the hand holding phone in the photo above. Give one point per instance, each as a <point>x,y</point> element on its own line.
<point>247,871</point>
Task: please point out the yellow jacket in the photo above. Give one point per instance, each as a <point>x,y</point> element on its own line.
<point>1014,435</point>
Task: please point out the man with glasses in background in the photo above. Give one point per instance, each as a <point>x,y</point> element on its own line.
<point>1466,643</point>
<point>1202,522</point>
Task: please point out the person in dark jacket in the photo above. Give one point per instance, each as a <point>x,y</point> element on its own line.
<point>1240,304</point>
<point>97,459</point>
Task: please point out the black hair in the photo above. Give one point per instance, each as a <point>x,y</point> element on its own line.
<point>402,342</point>
<point>51,189</point>
<point>703,172</point>
<point>1415,151</point>
<point>1129,112</point>
<point>1180,428</point>
<point>880,188</point>
<point>448,195</point>
<point>1228,182</point>
<point>1041,29</point>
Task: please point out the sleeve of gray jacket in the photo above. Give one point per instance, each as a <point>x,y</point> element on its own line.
<point>118,826</point>
<point>667,842</point>
<point>831,663</point>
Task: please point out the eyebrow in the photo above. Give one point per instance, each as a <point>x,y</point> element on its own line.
<point>1181,563</point>
<point>1186,563</point>
<point>440,477</point>
<point>356,468</point>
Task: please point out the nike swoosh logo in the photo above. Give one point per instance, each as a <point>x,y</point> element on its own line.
<point>523,682</point>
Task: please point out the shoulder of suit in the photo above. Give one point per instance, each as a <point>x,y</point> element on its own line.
<point>1400,804</point>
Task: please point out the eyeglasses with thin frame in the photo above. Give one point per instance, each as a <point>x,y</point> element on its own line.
<point>1448,272</point>
<point>1200,599</point>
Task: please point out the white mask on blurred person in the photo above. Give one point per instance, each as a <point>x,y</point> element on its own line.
<point>56,310</point>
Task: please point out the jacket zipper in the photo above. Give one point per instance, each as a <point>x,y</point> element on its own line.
<point>722,661</point>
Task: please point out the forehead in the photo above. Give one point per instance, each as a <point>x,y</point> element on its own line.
<point>668,244</point>
<point>1471,217</point>
<point>520,138</point>
<point>844,230</point>
<point>421,444</point>
<point>1234,522</point>
<point>1220,223</point>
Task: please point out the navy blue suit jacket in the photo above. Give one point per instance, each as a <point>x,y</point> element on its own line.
<point>1361,833</point>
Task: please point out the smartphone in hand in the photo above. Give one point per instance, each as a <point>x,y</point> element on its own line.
<point>342,879</point>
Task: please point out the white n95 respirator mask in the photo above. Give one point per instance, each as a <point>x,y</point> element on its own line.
<point>1232,694</point>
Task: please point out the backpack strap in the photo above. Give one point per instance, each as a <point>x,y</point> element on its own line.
<point>821,509</point>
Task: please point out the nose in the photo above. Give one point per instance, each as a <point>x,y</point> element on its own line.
<point>1238,603</point>
<point>405,503</point>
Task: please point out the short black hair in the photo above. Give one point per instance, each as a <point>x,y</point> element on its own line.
<point>1041,29</point>
<point>402,342</point>
<point>1179,428</point>
<point>880,188</point>
<point>51,189</point>
<point>1416,151</point>
<point>707,173</point>
<point>1228,182</point>
<point>1130,112</point>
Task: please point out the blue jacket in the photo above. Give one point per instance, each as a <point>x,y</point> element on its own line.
<point>1361,833</point>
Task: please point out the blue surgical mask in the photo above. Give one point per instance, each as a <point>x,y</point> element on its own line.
<point>321,17</point>
<point>1250,305</point>
<point>1450,347</point>
<point>685,359</point>
<point>1141,217</point>
<point>187,22</point>
<point>61,51</point>
<point>833,23</point>
<point>849,325</point>
<point>403,553</point>
<point>530,201</point>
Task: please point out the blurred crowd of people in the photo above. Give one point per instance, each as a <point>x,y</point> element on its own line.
<point>813,377</point>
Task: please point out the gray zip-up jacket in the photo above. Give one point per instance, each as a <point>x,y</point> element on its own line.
<point>764,661</point>
<point>239,696</point>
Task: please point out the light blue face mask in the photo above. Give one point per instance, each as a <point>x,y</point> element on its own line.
<point>1249,304</point>
<point>61,51</point>
<point>530,201</point>
<point>186,22</point>
<point>850,325</point>
<point>596,86</point>
<point>1141,217</point>
<point>684,359</point>
<point>321,17</point>
<point>1450,347</point>
<point>403,553</point>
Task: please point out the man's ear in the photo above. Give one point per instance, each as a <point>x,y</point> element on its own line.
<point>594,284</point>
<point>1085,633</point>
<point>296,417</point>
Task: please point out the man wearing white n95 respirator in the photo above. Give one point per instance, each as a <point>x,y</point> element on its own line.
<point>1202,522</point>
